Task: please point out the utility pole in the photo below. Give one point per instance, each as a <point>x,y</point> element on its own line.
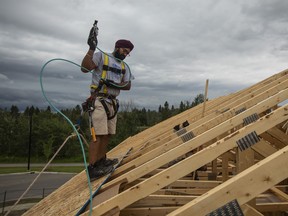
<point>30,138</point>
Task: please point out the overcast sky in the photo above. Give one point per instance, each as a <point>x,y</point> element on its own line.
<point>178,46</point>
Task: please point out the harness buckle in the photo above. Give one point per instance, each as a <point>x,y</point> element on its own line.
<point>88,105</point>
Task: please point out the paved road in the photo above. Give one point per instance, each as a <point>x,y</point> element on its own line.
<point>14,185</point>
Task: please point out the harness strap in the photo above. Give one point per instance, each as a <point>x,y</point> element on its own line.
<point>123,70</point>
<point>106,68</point>
<point>115,107</point>
<point>115,70</point>
<point>104,72</point>
<point>104,94</point>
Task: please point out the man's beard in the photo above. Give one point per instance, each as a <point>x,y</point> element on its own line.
<point>118,55</point>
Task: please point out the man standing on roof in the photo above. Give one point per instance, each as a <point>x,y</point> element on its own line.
<point>110,76</point>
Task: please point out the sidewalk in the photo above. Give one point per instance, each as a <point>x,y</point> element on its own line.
<point>39,164</point>
<point>19,207</point>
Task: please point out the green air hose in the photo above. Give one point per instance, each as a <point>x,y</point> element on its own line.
<point>67,119</point>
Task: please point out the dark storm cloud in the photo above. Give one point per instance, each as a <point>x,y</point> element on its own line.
<point>178,46</point>
<point>268,11</point>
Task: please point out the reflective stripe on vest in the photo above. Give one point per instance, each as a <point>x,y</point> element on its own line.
<point>104,73</point>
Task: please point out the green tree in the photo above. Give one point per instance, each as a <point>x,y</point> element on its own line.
<point>48,109</point>
<point>182,107</point>
<point>47,147</point>
<point>50,129</point>
<point>14,111</point>
<point>165,112</point>
<point>198,100</point>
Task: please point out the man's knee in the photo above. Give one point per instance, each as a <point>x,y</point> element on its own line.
<point>100,139</point>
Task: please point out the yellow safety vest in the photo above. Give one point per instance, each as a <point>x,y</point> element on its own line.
<point>104,73</point>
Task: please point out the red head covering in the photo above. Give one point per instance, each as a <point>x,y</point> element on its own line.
<point>124,44</point>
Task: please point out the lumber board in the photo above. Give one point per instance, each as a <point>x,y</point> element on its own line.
<point>164,154</point>
<point>191,163</point>
<point>243,187</point>
<point>72,195</point>
<point>251,95</point>
<point>154,147</point>
<point>245,159</point>
<point>280,194</point>
<point>153,211</point>
<point>194,183</point>
<point>272,207</point>
<point>216,119</point>
<point>156,200</point>
<point>250,211</point>
<point>107,194</point>
<point>279,134</point>
<point>264,148</point>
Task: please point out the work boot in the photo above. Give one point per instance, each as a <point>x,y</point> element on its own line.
<point>98,171</point>
<point>108,162</point>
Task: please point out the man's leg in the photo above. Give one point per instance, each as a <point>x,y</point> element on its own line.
<point>97,154</point>
<point>99,166</point>
<point>94,151</point>
<point>98,149</point>
<point>104,146</point>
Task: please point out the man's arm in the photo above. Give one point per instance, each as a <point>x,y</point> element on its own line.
<point>125,85</point>
<point>121,86</point>
<point>87,62</point>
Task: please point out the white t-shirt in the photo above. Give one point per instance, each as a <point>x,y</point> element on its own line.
<point>98,59</point>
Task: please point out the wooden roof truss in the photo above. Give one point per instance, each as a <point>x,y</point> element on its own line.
<point>232,160</point>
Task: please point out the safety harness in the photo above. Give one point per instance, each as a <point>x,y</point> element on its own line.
<point>104,94</point>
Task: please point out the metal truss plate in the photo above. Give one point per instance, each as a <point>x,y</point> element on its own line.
<point>230,209</point>
<point>249,119</point>
<point>247,141</point>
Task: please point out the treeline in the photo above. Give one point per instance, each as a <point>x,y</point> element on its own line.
<point>45,130</point>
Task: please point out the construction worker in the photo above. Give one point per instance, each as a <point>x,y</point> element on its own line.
<point>110,76</point>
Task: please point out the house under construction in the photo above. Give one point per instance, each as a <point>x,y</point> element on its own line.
<point>226,156</point>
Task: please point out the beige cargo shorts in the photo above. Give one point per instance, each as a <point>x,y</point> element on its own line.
<point>101,124</point>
